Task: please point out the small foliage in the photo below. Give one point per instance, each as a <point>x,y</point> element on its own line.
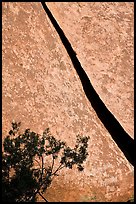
<point>24,171</point>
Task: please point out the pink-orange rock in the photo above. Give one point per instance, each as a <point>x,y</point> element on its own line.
<point>41,88</point>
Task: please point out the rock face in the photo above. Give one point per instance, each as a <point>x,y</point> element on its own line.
<point>41,88</point>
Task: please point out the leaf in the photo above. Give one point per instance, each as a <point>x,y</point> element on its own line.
<point>11,132</point>
<point>80,168</point>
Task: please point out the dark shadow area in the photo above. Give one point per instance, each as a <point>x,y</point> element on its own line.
<point>118,134</point>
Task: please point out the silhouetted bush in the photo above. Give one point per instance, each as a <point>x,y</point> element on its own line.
<point>28,162</point>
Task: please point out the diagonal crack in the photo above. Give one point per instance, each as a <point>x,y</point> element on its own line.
<point>118,134</point>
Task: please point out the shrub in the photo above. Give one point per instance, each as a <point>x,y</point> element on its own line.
<point>25,174</point>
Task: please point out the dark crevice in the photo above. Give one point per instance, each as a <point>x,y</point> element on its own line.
<point>118,134</point>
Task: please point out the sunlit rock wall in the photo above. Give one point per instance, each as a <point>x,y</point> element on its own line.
<point>41,88</point>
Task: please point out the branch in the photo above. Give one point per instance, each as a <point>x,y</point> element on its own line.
<point>52,163</point>
<point>60,167</point>
<point>37,191</point>
<point>38,162</point>
<point>42,168</point>
<point>42,197</point>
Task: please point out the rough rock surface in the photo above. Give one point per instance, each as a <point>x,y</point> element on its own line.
<point>41,88</point>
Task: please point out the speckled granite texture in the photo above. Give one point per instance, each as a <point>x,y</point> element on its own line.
<point>41,88</point>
